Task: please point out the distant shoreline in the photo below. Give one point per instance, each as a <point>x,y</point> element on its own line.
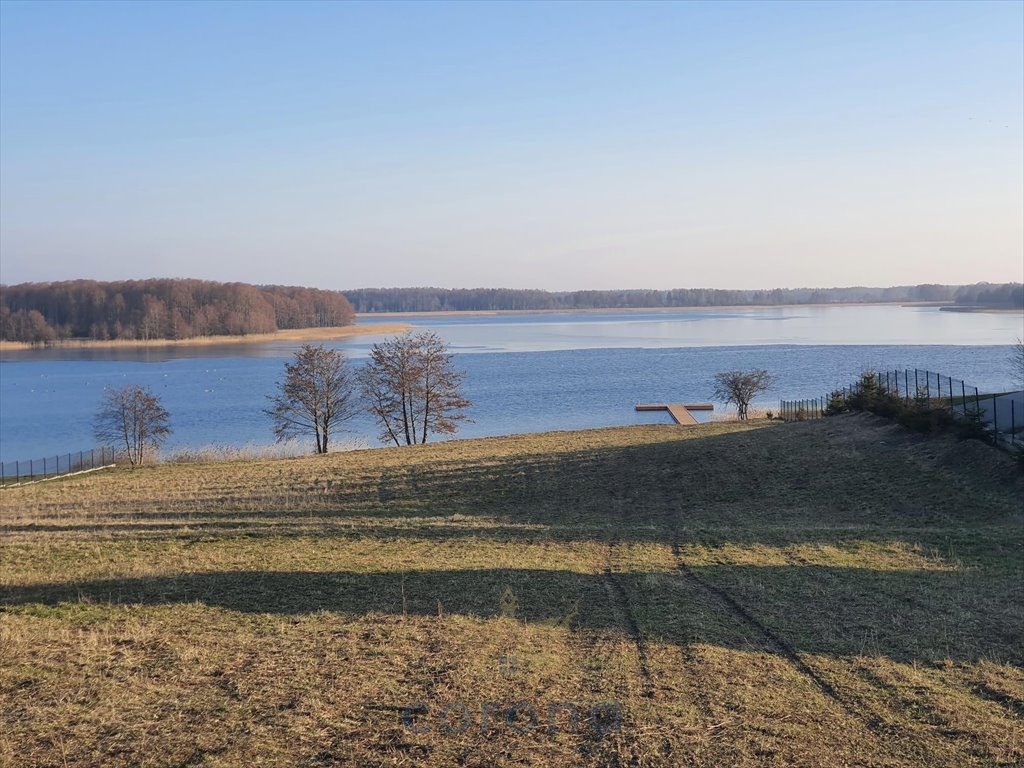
<point>291,334</point>
<point>650,310</point>
<point>996,310</point>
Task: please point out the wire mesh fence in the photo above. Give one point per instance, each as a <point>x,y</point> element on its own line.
<point>1001,412</point>
<point>34,470</point>
<point>801,410</point>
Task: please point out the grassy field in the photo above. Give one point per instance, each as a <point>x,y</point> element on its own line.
<point>822,593</point>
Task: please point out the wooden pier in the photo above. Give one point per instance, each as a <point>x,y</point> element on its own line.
<point>680,412</point>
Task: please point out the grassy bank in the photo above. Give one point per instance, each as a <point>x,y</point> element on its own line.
<point>292,334</point>
<point>820,593</point>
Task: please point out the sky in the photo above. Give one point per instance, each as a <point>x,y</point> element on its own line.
<point>529,145</point>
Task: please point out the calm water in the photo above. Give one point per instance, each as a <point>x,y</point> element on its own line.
<point>524,372</point>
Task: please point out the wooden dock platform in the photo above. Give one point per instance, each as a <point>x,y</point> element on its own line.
<point>680,412</point>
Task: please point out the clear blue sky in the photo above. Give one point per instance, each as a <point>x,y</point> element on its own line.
<point>560,145</point>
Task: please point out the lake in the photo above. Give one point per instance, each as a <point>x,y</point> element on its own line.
<point>524,373</point>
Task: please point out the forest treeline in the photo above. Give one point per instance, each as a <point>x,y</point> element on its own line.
<point>183,309</point>
<point>493,299</point>
<point>162,309</point>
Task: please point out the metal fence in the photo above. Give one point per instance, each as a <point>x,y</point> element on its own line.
<point>1003,413</point>
<point>801,410</point>
<point>34,470</point>
<point>928,386</point>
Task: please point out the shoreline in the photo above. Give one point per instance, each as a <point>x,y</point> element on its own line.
<point>993,310</point>
<point>291,334</point>
<point>646,310</point>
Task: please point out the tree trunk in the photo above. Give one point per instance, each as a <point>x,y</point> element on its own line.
<point>426,416</point>
<point>405,419</point>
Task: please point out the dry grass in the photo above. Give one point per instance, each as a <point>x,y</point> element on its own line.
<point>290,449</point>
<point>291,334</point>
<point>728,414</point>
<point>822,593</point>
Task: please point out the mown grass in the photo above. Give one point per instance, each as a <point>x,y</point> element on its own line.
<point>820,593</point>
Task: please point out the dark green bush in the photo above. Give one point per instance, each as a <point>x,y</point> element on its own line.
<point>925,417</point>
<point>971,426</point>
<point>919,414</point>
<point>865,393</point>
<point>836,404</point>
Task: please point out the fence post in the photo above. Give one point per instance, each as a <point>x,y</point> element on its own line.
<point>1013,423</point>
<point>917,387</point>
<point>995,421</point>
<point>950,392</point>
<point>17,477</point>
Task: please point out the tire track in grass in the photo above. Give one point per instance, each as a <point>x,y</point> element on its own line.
<point>921,701</point>
<point>670,507</point>
<point>856,706</point>
<point>622,747</point>
<point>772,640</point>
<point>619,597</point>
<point>625,747</point>
<point>625,618</point>
<point>595,747</point>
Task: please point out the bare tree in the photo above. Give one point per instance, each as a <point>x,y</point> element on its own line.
<point>412,389</point>
<point>741,387</point>
<point>317,396</point>
<point>134,418</point>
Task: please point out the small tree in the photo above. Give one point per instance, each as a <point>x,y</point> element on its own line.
<point>741,387</point>
<point>317,396</point>
<point>134,418</point>
<point>412,389</point>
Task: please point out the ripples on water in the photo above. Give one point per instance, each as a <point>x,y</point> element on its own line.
<point>524,372</point>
